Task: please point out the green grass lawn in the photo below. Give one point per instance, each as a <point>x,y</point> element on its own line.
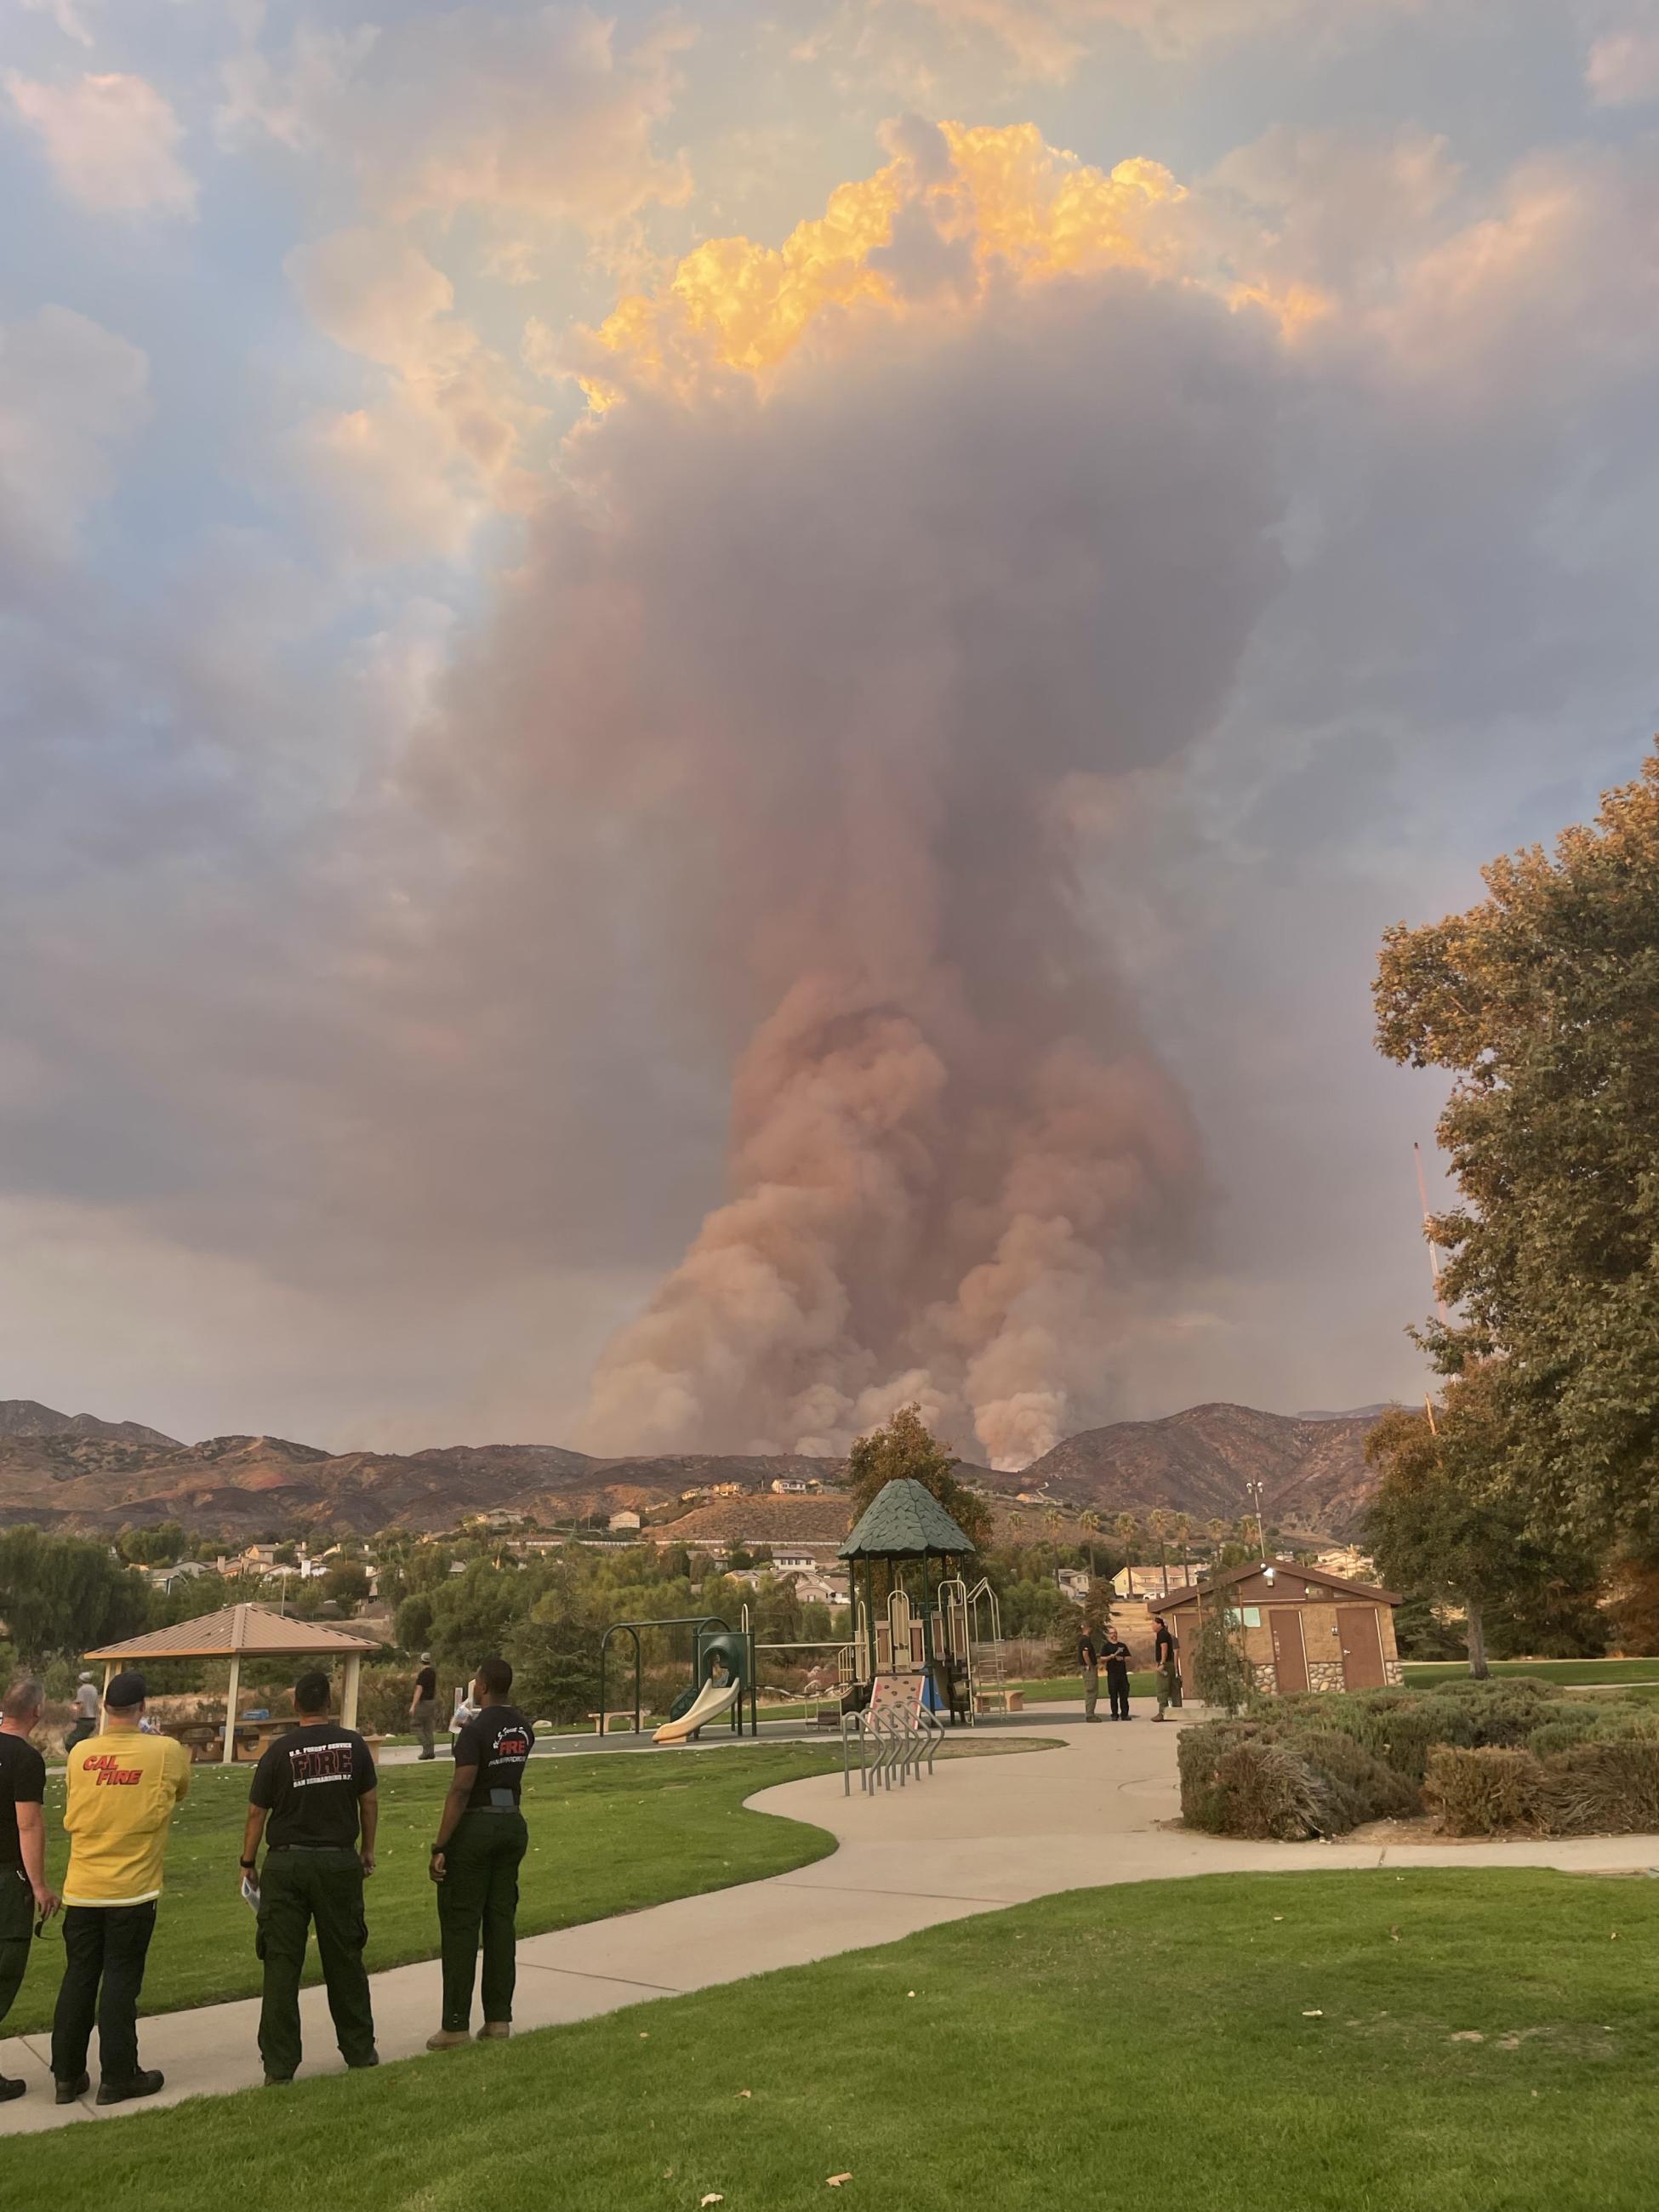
<point>1423,1674</point>
<point>1436,2041</point>
<point>1141,1684</point>
<point>607,1835</point>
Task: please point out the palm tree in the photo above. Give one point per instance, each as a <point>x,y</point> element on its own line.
<point>1183,1536</point>
<point>1160,1525</point>
<point>1129,1535</point>
<point>1089,1521</point>
<point>1052,1518</point>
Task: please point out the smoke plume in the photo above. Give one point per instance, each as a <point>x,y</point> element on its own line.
<point>864,584</point>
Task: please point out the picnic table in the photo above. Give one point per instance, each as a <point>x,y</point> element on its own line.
<point>205,1740</point>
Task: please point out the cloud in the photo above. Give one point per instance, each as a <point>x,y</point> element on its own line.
<point>542,117</point>
<point>1047,39</point>
<point>70,390</point>
<point>878,901</point>
<point>438,448</point>
<point>1622,67</point>
<point>109,142</point>
<point>958,213</point>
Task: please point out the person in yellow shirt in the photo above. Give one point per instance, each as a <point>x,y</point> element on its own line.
<point>122,1786</point>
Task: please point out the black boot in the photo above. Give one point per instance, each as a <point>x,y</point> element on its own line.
<point>145,2083</point>
<point>69,2092</point>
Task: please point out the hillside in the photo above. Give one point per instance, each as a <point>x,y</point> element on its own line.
<point>1312,1467</point>
<point>78,1473</point>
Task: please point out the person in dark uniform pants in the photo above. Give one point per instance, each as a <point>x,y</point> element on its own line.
<point>1115,1652</point>
<point>1088,1658</point>
<point>480,1839</point>
<point>1167,1664</point>
<point>423,1705</point>
<point>24,1891</point>
<point>314,1802</point>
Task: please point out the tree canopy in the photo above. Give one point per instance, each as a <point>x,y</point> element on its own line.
<point>1448,1524</point>
<point>1543,1003</point>
<point>61,1595</point>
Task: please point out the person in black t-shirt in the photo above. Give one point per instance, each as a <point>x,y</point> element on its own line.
<point>423,1706</point>
<point>1115,1653</point>
<point>313,1800</point>
<point>24,1891</point>
<point>481,1840</point>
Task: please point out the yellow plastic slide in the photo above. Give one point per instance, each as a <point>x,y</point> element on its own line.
<point>713,1700</point>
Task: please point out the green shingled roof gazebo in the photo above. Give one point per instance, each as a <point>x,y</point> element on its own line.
<point>903,1526</point>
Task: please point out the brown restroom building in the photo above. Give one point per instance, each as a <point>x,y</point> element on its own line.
<point>1302,1629</point>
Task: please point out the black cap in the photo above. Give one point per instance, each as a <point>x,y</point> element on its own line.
<point>127,1688</point>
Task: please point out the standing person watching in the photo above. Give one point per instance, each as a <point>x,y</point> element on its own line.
<point>123,1786</point>
<point>423,1706</point>
<point>1116,1656</point>
<point>1164,1649</point>
<point>314,1800</point>
<point>1088,1658</point>
<point>480,1839</point>
<point>86,1713</point>
<point>24,1891</point>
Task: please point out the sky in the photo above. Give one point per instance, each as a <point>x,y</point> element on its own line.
<point>709,713</point>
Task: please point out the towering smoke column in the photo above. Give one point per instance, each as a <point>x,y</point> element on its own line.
<point>887,555</point>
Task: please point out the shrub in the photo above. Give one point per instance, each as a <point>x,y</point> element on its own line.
<point>1267,1789</point>
<point>1252,1778</point>
<point>1602,1789</point>
<point>1198,1752</point>
<point>1357,1785</point>
<point>1500,1713</point>
<point>1562,1729</point>
<point>1490,1791</point>
<point>1487,1758</point>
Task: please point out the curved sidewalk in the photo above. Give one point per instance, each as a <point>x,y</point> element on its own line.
<point>979,1834</point>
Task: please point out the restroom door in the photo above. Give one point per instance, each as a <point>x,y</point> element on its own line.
<point>1290,1655</point>
<point>1362,1647</point>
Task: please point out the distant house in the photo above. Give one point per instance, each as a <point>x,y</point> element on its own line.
<point>167,1578</point>
<point>1131,1582</point>
<point>1073,1582</point>
<point>1347,1559</point>
<point>626,1519</point>
<point>727,1489</point>
<point>792,1485</point>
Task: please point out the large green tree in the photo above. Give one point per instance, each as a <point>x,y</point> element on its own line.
<point>1448,1524</point>
<point>1543,1003</point>
<point>906,1446</point>
<point>60,1596</point>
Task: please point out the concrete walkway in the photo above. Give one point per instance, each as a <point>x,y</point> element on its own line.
<point>981,1834</point>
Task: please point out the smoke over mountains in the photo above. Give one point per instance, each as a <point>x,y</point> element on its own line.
<point>843,658</point>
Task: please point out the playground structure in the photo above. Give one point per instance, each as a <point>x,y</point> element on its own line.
<point>930,1631</point>
<point>718,1649</point>
<point>925,1650</point>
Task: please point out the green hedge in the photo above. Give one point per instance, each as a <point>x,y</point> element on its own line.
<point>1486,1758</point>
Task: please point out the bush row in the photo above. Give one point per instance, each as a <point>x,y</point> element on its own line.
<point>1486,1758</point>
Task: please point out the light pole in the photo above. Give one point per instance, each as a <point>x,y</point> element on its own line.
<point>1254,1489</point>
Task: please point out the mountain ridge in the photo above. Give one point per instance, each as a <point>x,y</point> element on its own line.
<point>76,1473</point>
